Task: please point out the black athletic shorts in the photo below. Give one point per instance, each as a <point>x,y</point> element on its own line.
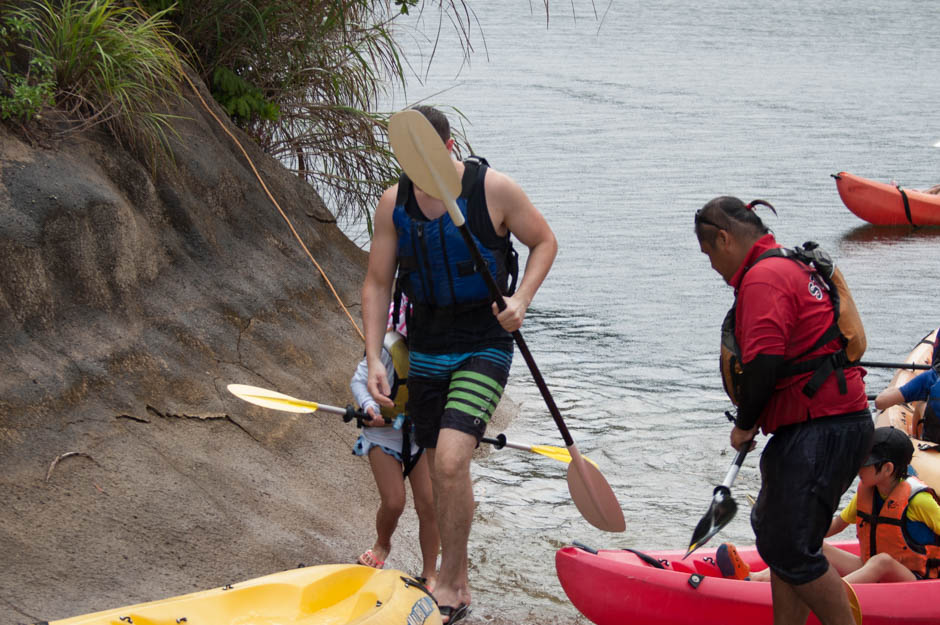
<point>455,391</point>
<point>805,468</point>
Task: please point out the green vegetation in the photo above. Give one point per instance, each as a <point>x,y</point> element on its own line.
<point>31,90</point>
<point>302,77</point>
<point>99,62</point>
<point>241,100</point>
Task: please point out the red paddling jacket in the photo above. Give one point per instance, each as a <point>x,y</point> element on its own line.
<point>887,532</point>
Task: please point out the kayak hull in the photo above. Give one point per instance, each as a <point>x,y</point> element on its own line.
<point>909,417</point>
<point>616,587</point>
<point>883,204</point>
<point>333,594</point>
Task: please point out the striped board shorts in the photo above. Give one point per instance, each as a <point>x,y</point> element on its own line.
<point>455,391</point>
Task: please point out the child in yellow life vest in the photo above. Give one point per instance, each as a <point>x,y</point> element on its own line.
<point>897,521</point>
<point>387,441</point>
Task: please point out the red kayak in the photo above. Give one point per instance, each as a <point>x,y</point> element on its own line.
<point>619,587</point>
<point>887,204</point>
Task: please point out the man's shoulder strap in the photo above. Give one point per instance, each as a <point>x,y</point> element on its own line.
<point>809,255</point>
<point>404,189</point>
<point>774,252</point>
<point>473,173</point>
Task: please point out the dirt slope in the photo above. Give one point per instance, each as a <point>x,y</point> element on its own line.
<point>128,300</point>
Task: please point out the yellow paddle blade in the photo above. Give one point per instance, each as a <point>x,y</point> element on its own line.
<point>271,399</point>
<point>556,453</point>
<point>853,603</point>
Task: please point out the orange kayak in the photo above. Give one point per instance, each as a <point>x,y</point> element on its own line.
<point>909,417</point>
<point>887,204</point>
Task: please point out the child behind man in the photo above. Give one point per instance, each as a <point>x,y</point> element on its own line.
<point>393,456</point>
<point>897,521</point>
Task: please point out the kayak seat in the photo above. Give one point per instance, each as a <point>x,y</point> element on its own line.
<point>341,591</point>
<point>708,567</point>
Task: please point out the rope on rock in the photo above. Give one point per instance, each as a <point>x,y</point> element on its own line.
<point>267,192</point>
<point>276,205</point>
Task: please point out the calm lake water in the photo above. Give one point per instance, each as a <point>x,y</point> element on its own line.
<point>619,127</point>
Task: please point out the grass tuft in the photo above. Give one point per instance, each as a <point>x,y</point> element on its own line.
<point>111,65</point>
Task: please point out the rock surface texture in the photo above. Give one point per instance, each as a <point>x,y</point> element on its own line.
<point>129,298</point>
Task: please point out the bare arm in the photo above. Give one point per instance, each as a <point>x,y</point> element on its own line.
<point>376,293</point>
<point>836,526</point>
<point>511,209</point>
<point>360,389</point>
<point>889,397</point>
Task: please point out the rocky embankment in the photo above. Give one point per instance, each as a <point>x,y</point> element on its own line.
<point>129,298</point>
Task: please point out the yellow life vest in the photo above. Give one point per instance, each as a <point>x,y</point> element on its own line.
<point>396,346</point>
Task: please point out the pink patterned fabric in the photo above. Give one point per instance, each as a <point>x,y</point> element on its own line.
<point>400,326</point>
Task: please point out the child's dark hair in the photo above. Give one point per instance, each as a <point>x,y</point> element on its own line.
<point>730,214</point>
<point>438,120</point>
<point>900,470</point>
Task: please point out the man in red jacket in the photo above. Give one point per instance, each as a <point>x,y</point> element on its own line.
<point>820,424</point>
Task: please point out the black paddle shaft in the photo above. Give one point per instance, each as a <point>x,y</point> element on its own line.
<point>497,296</point>
<point>893,365</point>
<point>498,443</point>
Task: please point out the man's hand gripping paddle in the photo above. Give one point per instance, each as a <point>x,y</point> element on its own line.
<point>422,156</point>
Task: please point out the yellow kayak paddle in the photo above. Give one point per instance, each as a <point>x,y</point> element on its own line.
<point>279,401</point>
<point>549,451</point>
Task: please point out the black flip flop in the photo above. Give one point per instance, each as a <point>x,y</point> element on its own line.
<point>453,614</point>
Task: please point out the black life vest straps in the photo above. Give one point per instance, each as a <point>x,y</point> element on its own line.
<point>472,174</point>
<point>472,189</point>
<point>823,366</point>
<point>408,461</point>
<point>827,364</point>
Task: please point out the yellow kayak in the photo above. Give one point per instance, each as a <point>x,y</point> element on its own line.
<point>332,594</point>
<point>909,417</point>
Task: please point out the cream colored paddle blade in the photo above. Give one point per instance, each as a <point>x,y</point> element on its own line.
<point>271,399</point>
<point>853,602</point>
<point>423,156</point>
<point>592,494</point>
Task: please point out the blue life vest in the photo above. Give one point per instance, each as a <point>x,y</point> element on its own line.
<point>435,267</point>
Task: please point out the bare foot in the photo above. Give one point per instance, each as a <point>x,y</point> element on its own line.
<point>449,598</point>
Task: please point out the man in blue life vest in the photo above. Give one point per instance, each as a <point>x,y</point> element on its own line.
<point>924,387</point>
<point>461,345</point>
